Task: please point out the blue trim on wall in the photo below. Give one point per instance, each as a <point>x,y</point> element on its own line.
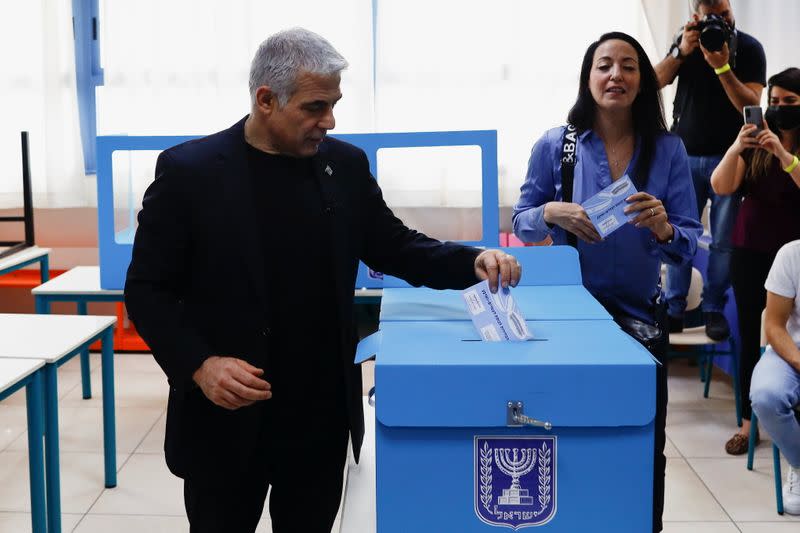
<point>88,74</point>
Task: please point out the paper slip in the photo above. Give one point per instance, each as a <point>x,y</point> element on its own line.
<point>496,316</point>
<point>605,208</point>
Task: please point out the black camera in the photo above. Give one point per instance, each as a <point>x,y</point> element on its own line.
<point>714,32</point>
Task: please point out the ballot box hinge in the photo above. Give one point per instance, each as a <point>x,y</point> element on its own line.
<point>515,417</point>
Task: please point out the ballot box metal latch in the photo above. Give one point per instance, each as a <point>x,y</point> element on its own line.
<point>515,417</point>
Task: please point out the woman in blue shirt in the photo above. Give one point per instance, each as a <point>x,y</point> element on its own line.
<point>621,131</point>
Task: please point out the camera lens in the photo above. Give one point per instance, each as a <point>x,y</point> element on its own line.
<point>713,38</point>
<point>714,32</point>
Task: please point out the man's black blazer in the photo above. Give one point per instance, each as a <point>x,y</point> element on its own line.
<point>196,287</point>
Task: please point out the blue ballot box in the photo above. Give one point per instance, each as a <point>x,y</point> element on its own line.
<point>451,453</point>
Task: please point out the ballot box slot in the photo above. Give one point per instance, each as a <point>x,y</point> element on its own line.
<point>526,340</point>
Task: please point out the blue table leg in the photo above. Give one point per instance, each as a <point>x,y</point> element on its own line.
<point>86,378</point>
<point>52,469</point>
<point>44,269</point>
<point>109,422</point>
<point>33,398</point>
<point>42,305</point>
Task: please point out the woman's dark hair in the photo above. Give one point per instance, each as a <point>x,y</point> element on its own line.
<point>788,79</point>
<point>648,110</point>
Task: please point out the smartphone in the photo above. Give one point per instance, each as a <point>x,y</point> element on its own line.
<point>753,115</point>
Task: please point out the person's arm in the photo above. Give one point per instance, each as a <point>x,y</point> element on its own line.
<point>739,93</point>
<point>538,210</point>
<point>667,69</point>
<point>539,187</point>
<point>728,175</point>
<point>779,308</point>
<point>160,259</point>
<point>681,209</point>
<point>782,288</point>
<point>155,301</point>
<point>395,249</point>
<point>770,142</point>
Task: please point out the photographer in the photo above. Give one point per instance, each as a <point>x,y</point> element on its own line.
<point>720,70</point>
<point>762,166</point>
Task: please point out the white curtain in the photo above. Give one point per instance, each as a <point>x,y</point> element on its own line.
<point>181,66</point>
<point>37,84</point>
<point>509,65</point>
<point>775,24</point>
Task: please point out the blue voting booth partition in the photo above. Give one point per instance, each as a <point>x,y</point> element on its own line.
<point>452,457</point>
<point>115,246</point>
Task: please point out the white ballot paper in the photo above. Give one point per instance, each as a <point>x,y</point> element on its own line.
<point>606,209</point>
<point>496,316</point>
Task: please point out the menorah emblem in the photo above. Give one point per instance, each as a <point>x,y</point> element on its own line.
<point>530,461</point>
<point>515,462</point>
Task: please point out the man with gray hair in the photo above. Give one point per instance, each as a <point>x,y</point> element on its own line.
<point>718,74</point>
<point>241,282</point>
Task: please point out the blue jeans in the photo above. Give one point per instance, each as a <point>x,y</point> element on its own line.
<point>774,392</point>
<point>722,218</point>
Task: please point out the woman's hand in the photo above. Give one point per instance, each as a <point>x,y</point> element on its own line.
<point>573,218</point>
<point>652,215</point>
<point>745,139</point>
<point>770,142</point>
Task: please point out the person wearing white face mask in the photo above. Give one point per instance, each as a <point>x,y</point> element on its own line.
<point>763,167</point>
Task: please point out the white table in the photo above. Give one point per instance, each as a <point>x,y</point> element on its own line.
<point>25,257</point>
<point>80,285</point>
<point>55,339</point>
<point>81,281</point>
<point>15,374</point>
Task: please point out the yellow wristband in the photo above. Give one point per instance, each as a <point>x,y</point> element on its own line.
<point>723,69</point>
<point>792,165</point>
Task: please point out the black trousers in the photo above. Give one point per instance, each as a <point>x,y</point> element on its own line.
<point>749,270</point>
<point>660,460</point>
<point>304,476</point>
<point>659,350</point>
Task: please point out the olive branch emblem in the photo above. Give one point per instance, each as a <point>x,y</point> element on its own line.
<point>486,477</point>
<point>544,476</point>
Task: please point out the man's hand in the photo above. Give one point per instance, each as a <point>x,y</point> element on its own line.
<point>652,215</point>
<point>493,263</point>
<point>231,383</point>
<point>573,218</point>
<point>690,39</point>
<point>717,59</point>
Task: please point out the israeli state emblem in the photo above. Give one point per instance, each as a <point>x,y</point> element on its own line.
<point>515,480</point>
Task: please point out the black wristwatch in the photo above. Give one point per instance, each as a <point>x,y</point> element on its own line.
<point>675,51</point>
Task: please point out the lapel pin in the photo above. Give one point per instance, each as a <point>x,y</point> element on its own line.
<point>329,170</point>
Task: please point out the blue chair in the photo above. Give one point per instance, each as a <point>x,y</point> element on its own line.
<point>697,344</point>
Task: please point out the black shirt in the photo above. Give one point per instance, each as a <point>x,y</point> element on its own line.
<point>306,370</point>
<point>705,117</point>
